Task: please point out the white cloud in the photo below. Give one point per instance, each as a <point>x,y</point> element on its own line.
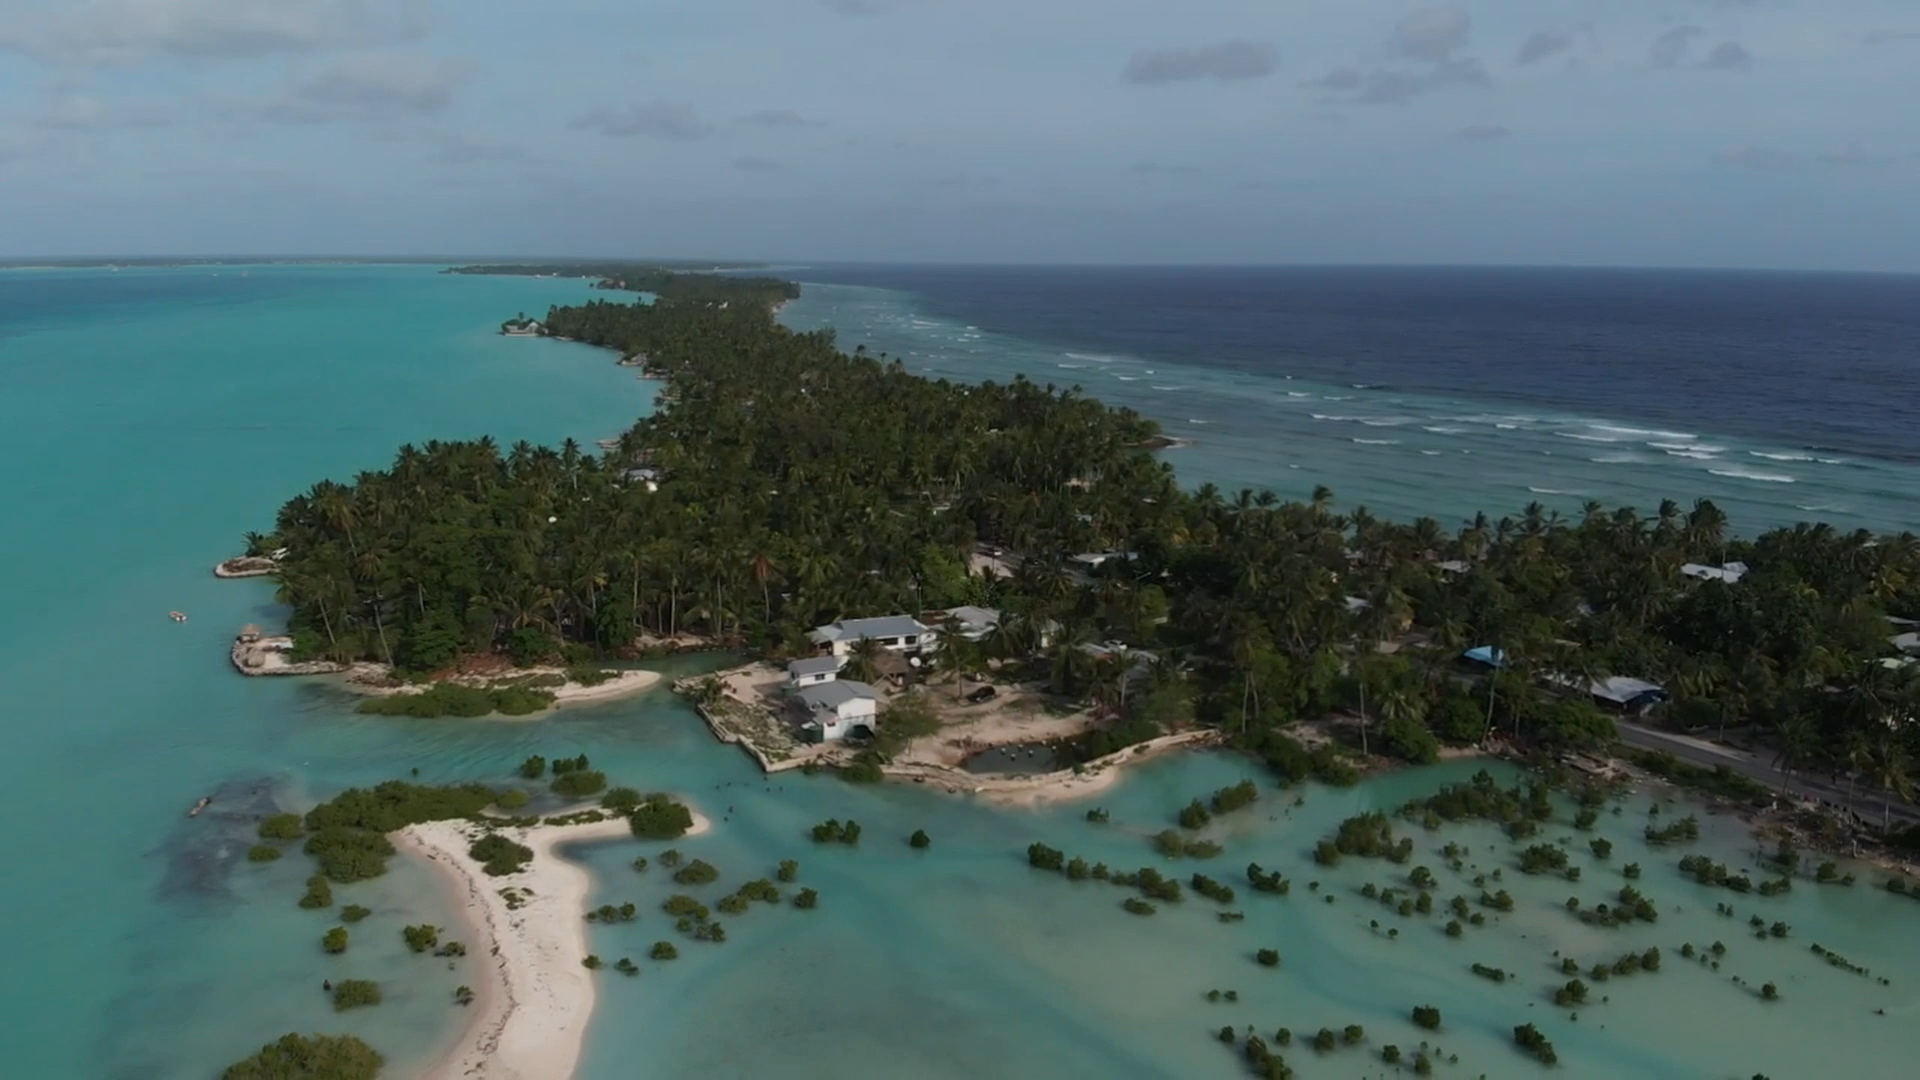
<point>84,112</point>
<point>135,31</point>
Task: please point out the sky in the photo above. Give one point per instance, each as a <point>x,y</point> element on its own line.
<point>1764,133</point>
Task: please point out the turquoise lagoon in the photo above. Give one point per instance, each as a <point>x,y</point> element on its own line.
<point>148,417</point>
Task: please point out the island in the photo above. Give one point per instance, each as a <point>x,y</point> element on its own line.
<point>926,574</point>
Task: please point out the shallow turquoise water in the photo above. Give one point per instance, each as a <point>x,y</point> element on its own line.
<point>140,435</point>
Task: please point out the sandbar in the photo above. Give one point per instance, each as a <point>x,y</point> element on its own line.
<point>535,998</point>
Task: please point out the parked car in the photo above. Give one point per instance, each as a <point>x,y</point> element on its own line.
<point>982,693</point>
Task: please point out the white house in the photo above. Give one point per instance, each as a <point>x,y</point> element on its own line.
<point>813,671</point>
<point>972,623</point>
<point>832,710</point>
<point>899,633</point>
<point>1730,573</point>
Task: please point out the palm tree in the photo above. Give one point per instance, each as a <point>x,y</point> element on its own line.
<point>1892,770</point>
<point>863,660</point>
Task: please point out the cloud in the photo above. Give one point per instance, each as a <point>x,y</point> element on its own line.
<point>757,165</point>
<point>1483,132</point>
<point>675,121</point>
<point>1881,37</point>
<point>779,118</point>
<point>1757,158</point>
<point>1670,48</point>
<point>83,112</point>
<point>456,149</point>
<point>134,31</point>
<point>1432,33</point>
<point>1856,155</point>
<point>369,86</point>
<point>1728,56</point>
<point>1226,61</point>
<point>1542,44</point>
<point>1387,86</point>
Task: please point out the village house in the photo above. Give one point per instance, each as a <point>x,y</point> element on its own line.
<point>1730,573</point>
<point>896,633</point>
<point>830,711</point>
<point>813,670</point>
<point>970,622</point>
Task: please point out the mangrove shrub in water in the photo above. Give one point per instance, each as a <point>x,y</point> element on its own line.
<point>658,817</point>
<point>309,1057</point>
<point>355,994</point>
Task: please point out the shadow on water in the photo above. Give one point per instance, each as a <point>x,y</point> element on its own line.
<point>202,850</point>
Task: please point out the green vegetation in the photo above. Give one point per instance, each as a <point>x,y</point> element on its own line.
<point>1267,957</point>
<point>789,870</point>
<point>513,799</point>
<point>1267,881</point>
<point>281,827</point>
<point>1368,835</point>
<point>833,831</point>
<point>1136,906</point>
<point>1098,816</point>
<point>1684,830</point>
<point>1172,844</point>
<point>806,898</point>
<point>626,966</point>
<point>420,938</point>
<point>1493,974</point>
<point>658,817</point>
<point>500,856</point>
<point>1195,815</point>
<point>318,895</point>
<point>348,832</point>
<point>622,799</point>
<point>1427,1016</point>
<point>1528,1038</point>
<point>919,840</point>
<point>579,785</point>
<point>609,913</point>
<point>591,962</point>
<point>697,872</point>
<point>533,768</point>
<point>458,699</point>
<point>664,950</point>
<point>353,913</point>
<point>262,853</point>
<point>309,1057</point>
<point>540,553</point>
<point>334,940</point>
<point>355,994</point>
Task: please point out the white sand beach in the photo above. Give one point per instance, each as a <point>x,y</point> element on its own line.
<point>534,1000</point>
<point>373,680</point>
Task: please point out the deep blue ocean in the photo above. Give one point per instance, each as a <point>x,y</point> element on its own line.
<point>1782,396</point>
<point>149,417</point>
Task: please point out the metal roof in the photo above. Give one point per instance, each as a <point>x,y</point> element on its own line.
<point>832,695</point>
<point>885,626</point>
<point>814,665</point>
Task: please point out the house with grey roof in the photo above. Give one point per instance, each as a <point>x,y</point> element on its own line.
<point>897,633</point>
<point>831,711</point>
<point>814,670</point>
<point>1730,573</point>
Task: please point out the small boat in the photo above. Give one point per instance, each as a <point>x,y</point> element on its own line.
<point>199,806</point>
<point>177,616</point>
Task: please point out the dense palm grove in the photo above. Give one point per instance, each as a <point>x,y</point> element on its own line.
<point>784,483</point>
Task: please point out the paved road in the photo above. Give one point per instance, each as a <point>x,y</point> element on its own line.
<point>1698,752</point>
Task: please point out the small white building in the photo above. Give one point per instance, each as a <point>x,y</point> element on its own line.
<point>813,671</point>
<point>1730,573</point>
<point>897,633</point>
<point>833,710</point>
<point>970,622</point>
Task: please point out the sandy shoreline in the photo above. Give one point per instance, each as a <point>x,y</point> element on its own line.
<point>364,680</point>
<point>535,998</point>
